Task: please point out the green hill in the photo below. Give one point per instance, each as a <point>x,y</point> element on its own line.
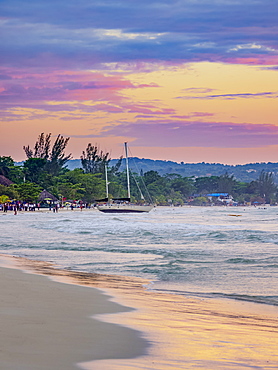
<point>246,172</point>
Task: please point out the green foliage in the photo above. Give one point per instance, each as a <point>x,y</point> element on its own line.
<point>16,174</point>
<point>266,187</point>
<point>161,200</point>
<point>44,169</point>
<point>55,157</point>
<point>35,169</point>
<point>9,191</point>
<point>93,160</point>
<point>27,191</point>
<point>3,199</point>
<point>76,185</point>
<point>226,183</point>
<point>151,177</point>
<point>183,185</point>
<point>200,201</point>
<point>206,185</point>
<point>5,164</point>
<point>9,170</point>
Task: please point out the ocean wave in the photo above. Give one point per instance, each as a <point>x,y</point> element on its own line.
<point>269,300</point>
<point>191,248</point>
<point>241,260</point>
<point>218,235</point>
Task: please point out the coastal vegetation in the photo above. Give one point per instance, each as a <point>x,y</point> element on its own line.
<point>45,167</point>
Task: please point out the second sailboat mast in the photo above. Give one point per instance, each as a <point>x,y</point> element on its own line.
<point>127,171</point>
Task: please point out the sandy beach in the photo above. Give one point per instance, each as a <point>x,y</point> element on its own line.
<point>48,324</point>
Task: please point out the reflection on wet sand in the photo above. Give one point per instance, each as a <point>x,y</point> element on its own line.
<point>185,333</point>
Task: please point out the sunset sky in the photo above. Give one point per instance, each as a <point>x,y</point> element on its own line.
<point>188,80</point>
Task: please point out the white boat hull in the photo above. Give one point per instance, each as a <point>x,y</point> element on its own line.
<point>124,208</point>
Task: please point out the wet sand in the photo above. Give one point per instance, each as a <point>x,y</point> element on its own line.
<point>165,332</point>
<point>50,325</point>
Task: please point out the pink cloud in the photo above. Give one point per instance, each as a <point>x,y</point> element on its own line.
<point>162,133</point>
<point>260,59</point>
<point>33,90</point>
<point>148,109</point>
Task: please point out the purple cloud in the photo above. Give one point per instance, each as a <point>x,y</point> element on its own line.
<point>198,90</point>
<point>268,94</point>
<point>89,34</point>
<point>4,77</point>
<point>161,133</point>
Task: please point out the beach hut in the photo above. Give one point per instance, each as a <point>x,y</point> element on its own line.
<point>46,196</point>
<point>5,181</point>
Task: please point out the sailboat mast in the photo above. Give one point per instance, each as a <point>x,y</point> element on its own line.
<point>106,180</point>
<point>127,171</point>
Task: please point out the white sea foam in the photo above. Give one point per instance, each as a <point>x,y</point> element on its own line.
<point>188,250</point>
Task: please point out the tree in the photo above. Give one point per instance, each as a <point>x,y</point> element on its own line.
<point>183,185</point>
<point>34,169</point>
<point>55,157</point>
<point>206,184</point>
<point>9,170</point>
<point>266,185</point>
<point>151,177</point>
<point>79,185</point>
<point>41,148</point>
<point>28,191</point>
<point>226,183</point>
<point>93,160</point>
<point>8,191</point>
<point>5,164</point>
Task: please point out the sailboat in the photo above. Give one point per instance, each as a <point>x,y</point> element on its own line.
<point>123,205</point>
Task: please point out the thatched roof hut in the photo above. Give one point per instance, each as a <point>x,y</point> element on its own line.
<point>4,181</point>
<point>45,195</point>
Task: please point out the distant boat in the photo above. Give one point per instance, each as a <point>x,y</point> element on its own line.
<point>123,205</point>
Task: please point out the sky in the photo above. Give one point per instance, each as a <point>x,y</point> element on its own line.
<point>189,80</point>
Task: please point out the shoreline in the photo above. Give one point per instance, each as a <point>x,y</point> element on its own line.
<point>49,324</point>
<point>181,333</point>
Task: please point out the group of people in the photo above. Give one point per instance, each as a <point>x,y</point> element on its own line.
<point>17,206</point>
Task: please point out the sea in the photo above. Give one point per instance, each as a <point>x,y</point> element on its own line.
<point>208,252</point>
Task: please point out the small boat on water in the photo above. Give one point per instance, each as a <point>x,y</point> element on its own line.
<point>123,205</point>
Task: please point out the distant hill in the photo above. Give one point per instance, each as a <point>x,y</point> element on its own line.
<point>246,172</point>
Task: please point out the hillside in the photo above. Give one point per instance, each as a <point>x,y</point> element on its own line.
<point>246,172</point>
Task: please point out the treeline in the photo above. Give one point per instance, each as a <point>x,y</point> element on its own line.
<point>45,168</point>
